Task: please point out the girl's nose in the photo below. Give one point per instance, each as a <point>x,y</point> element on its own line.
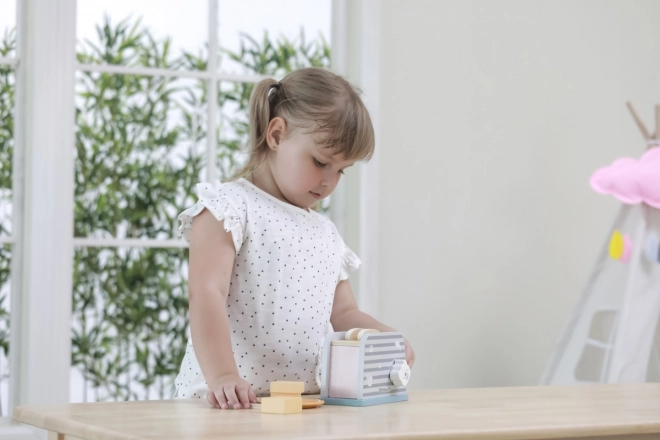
<point>329,179</point>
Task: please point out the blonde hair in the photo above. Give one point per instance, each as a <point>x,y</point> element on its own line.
<point>310,97</point>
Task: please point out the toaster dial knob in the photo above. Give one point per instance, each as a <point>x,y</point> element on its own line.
<point>400,373</point>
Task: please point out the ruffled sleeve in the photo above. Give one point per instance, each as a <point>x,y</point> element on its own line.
<point>349,263</point>
<point>223,205</point>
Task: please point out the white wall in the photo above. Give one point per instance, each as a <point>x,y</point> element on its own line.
<point>493,117</point>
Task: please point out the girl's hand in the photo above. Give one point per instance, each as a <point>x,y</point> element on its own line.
<point>410,354</point>
<point>231,391</point>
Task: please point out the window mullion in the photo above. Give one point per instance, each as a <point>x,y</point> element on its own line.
<point>170,73</point>
<point>212,110</point>
<point>8,61</point>
<point>128,242</point>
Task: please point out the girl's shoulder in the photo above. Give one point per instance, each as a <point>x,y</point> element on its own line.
<point>233,193</point>
<point>233,190</point>
<point>226,201</point>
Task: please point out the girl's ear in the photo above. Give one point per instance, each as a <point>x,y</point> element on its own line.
<point>276,132</point>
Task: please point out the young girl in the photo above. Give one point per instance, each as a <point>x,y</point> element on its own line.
<point>268,276</point>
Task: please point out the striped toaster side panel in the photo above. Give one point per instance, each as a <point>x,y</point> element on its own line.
<point>380,352</point>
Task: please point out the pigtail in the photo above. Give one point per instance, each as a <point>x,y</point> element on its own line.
<point>260,112</point>
<point>262,102</point>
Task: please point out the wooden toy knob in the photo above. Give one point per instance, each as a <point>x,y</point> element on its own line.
<point>352,334</point>
<point>400,373</point>
<point>364,332</point>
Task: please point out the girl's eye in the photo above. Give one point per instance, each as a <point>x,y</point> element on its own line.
<point>319,164</point>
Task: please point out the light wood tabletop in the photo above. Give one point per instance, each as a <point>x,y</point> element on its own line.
<point>622,411</point>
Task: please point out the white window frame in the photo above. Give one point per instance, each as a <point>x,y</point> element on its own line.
<point>43,185</point>
<point>9,61</point>
<point>356,55</point>
<point>369,188</point>
<point>40,341</point>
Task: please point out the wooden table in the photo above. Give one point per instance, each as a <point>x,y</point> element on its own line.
<point>622,411</point>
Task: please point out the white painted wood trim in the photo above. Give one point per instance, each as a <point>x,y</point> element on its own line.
<point>339,37</point>
<point>369,33</point>
<point>18,178</point>
<point>8,61</point>
<point>339,65</point>
<point>152,71</point>
<point>212,104</point>
<point>41,323</point>
<point>128,242</point>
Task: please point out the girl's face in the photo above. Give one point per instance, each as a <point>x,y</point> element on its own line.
<point>304,171</point>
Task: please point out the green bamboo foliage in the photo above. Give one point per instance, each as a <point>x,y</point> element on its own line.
<point>140,148</point>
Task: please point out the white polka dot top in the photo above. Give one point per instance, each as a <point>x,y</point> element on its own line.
<point>287,267</point>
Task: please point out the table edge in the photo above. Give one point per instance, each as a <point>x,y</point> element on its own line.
<point>31,415</point>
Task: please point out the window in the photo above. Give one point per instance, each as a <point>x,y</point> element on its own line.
<point>146,132</point>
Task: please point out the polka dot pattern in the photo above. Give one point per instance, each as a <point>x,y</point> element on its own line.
<point>288,263</point>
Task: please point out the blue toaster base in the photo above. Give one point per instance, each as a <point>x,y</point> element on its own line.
<point>365,402</point>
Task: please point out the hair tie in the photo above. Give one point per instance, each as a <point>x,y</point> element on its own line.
<point>277,86</point>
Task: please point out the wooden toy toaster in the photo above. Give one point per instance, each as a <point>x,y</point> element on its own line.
<point>363,367</point>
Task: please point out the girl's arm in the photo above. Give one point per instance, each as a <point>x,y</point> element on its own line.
<point>212,257</point>
<point>346,315</point>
